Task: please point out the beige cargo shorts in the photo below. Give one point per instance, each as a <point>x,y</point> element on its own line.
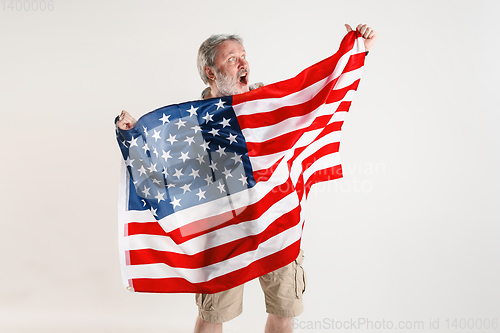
<point>283,289</point>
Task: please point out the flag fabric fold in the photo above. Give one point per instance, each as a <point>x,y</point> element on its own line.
<point>212,192</point>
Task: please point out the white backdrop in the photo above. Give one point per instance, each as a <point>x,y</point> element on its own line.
<point>411,234</point>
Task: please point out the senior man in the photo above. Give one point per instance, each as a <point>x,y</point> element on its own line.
<point>223,66</point>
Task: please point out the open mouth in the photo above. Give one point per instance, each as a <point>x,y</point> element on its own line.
<point>244,78</point>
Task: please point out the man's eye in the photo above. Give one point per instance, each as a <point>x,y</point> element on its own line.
<point>231,59</point>
<point>243,57</point>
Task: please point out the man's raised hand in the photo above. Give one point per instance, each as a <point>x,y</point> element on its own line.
<point>125,121</point>
<point>369,35</point>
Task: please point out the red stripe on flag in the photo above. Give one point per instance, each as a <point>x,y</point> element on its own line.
<point>145,228</point>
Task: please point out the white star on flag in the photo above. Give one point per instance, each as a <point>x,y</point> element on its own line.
<point>171,139</point>
<point>159,196</point>
<point>207,117</point>
<point>164,119</point>
<point>142,170</point>
<point>196,128</point>
<point>227,173</point>
<point>220,104</point>
<point>243,179</point>
<point>214,132</point>
<point>146,191</point>
<point>184,156</point>
<point>189,140</point>
<point>156,135</point>
<point>204,145</point>
<point>236,158</point>
<point>221,187</point>
<point>128,161</point>
<point>175,202</point>
<point>133,142</point>
<point>166,155</point>
<point>208,179</point>
<point>201,194</point>
<point>195,173</point>
<point>186,187</point>
<point>225,122</point>
<point>152,167</point>
<point>221,151</point>
<point>180,123</point>
<point>192,111</point>
<point>178,173</point>
<point>232,138</point>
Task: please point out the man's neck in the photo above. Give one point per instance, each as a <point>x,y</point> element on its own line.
<point>213,93</point>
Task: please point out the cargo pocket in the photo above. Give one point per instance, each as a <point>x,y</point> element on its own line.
<point>300,276</point>
<point>206,301</point>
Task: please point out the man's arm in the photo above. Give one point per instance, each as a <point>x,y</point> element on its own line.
<point>369,35</point>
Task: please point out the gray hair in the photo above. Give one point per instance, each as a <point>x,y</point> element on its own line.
<point>208,51</point>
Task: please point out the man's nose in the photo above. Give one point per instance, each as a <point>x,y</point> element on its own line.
<point>243,63</point>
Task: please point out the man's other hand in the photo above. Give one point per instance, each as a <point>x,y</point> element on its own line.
<point>369,35</point>
<point>125,121</point>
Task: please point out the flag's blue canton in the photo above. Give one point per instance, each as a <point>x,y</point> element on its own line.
<point>179,156</point>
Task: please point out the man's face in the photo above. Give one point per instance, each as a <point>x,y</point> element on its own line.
<point>232,69</point>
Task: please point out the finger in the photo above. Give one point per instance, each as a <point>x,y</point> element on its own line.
<point>360,28</point>
<point>348,27</point>
<point>123,114</point>
<point>367,32</point>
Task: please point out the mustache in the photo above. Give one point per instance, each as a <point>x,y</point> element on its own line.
<point>241,71</point>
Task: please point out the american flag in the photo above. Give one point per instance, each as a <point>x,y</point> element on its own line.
<point>212,192</point>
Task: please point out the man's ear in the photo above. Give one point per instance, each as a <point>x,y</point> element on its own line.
<point>210,73</point>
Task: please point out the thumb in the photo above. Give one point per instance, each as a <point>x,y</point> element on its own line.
<point>348,27</point>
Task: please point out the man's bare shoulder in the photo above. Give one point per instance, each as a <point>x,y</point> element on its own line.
<point>256,85</point>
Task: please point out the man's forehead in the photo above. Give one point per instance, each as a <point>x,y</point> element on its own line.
<point>229,47</point>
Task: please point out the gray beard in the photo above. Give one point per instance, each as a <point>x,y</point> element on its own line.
<point>226,86</point>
